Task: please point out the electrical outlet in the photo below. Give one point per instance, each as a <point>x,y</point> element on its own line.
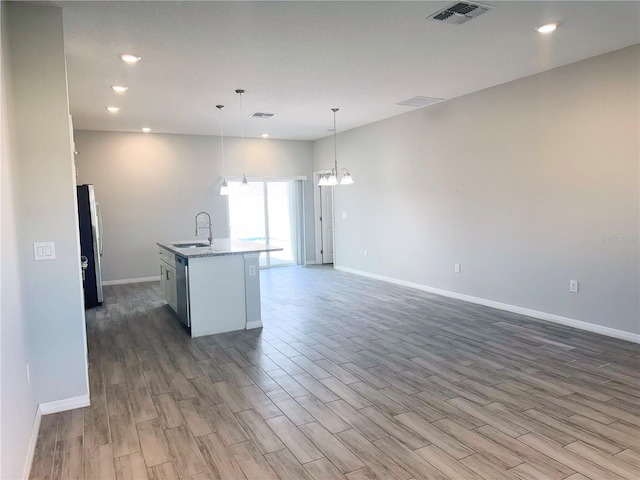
<point>28,373</point>
<point>252,270</point>
<point>366,252</point>
<point>573,286</point>
<point>456,267</point>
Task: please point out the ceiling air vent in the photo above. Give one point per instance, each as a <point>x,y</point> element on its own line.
<point>420,101</point>
<point>262,115</point>
<point>459,13</point>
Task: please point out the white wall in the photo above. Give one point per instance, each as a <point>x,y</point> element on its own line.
<point>44,209</point>
<point>17,402</point>
<point>520,183</point>
<point>150,186</point>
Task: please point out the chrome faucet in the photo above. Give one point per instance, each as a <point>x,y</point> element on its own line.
<point>208,225</point>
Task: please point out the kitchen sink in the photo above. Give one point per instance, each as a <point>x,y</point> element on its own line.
<point>191,245</point>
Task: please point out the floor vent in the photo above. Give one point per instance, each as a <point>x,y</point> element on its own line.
<point>459,13</point>
<point>262,115</point>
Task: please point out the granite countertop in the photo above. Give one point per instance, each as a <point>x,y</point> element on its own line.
<point>221,246</point>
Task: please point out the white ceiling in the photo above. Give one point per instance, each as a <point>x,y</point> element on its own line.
<point>300,59</point>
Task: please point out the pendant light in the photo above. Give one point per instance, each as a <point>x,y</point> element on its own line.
<point>224,189</point>
<point>330,178</point>
<point>244,186</point>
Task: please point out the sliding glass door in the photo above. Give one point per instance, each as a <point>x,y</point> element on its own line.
<point>265,212</point>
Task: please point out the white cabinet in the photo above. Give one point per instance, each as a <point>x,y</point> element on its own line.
<point>168,286</point>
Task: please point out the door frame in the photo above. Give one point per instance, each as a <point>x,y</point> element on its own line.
<point>317,209</point>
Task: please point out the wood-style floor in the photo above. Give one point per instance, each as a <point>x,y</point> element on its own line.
<point>352,378</point>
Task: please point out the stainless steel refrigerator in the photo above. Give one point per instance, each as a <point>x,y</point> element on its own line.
<point>90,223</point>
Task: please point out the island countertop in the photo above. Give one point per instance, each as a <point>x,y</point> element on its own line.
<point>221,246</point>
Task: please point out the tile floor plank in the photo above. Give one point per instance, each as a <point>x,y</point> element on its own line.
<point>407,459</point>
<point>447,464</point>
<point>251,461</point>
<point>331,447</point>
<point>323,469</point>
<point>184,452</point>
<point>131,467</point>
<point>286,466</point>
<point>376,460</point>
<point>218,458</point>
<point>295,441</point>
<point>570,459</point>
<point>261,434</point>
<point>99,462</point>
<point>153,442</point>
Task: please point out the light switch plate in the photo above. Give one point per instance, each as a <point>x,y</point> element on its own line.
<point>44,251</point>
<point>344,215</point>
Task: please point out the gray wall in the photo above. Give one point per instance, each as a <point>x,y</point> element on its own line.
<point>521,183</point>
<point>150,186</point>
<point>18,404</point>
<point>42,308</point>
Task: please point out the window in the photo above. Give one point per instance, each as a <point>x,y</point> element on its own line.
<point>266,212</point>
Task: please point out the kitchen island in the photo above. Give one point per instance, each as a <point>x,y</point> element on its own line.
<point>213,288</point>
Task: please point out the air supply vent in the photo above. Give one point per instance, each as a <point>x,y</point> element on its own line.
<point>262,115</point>
<point>420,101</point>
<point>459,13</point>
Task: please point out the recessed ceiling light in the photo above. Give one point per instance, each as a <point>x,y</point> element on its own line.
<point>265,135</point>
<point>119,88</point>
<point>130,58</point>
<point>547,27</point>
<point>146,129</point>
<point>113,109</point>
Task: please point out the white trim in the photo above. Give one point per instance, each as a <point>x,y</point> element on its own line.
<point>31,450</point>
<point>550,317</point>
<point>317,224</point>
<point>236,178</point>
<point>64,404</point>
<point>310,262</point>
<point>126,281</point>
<point>256,324</point>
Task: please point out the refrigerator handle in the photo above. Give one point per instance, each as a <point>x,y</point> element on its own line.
<point>99,212</point>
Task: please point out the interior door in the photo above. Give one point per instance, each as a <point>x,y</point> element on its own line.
<point>326,222</point>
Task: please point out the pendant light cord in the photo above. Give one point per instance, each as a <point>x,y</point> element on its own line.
<point>240,92</point>
<point>335,142</point>
<point>220,107</point>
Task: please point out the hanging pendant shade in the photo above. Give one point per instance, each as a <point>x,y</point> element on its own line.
<point>224,189</point>
<point>346,179</point>
<point>244,186</point>
<point>324,180</point>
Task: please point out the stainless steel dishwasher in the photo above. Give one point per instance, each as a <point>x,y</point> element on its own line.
<point>182,287</point>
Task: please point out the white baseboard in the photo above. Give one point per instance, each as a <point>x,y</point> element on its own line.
<point>251,325</point>
<point>550,317</point>
<point>310,262</point>
<point>26,471</point>
<point>126,281</point>
<point>64,404</point>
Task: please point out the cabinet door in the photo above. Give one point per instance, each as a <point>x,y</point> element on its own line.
<point>172,289</point>
<point>163,282</point>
